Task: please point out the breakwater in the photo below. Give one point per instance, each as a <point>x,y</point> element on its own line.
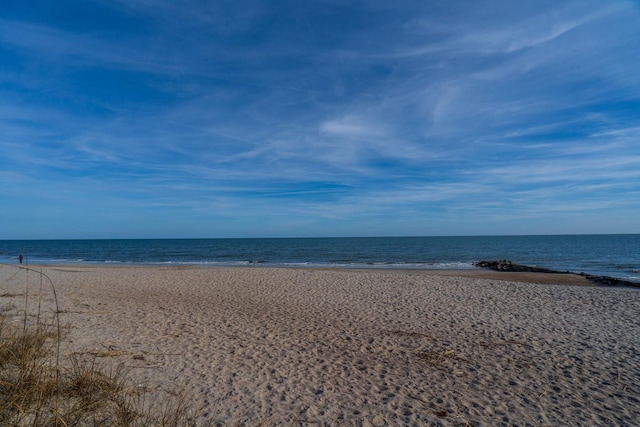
<point>506,265</point>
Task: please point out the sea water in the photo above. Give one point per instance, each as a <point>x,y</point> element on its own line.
<point>610,255</point>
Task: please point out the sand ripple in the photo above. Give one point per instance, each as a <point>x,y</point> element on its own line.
<point>373,348</point>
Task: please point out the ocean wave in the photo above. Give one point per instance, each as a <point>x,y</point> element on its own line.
<point>299,264</point>
<point>614,255</point>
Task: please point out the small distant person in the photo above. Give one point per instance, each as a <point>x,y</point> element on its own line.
<point>20,258</point>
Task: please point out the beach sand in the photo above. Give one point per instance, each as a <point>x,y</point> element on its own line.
<point>264,346</point>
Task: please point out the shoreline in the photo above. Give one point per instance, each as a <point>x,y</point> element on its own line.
<point>468,269</point>
<point>564,278</point>
<point>508,266</point>
<point>267,346</point>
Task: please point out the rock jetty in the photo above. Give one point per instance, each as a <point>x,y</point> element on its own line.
<point>506,265</point>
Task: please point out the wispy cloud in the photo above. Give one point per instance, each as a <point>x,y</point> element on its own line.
<point>330,117</point>
<point>349,128</point>
<point>84,49</point>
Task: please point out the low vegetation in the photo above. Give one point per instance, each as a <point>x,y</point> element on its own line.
<point>38,389</point>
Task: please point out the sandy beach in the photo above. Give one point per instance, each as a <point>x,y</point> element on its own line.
<point>264,346</point>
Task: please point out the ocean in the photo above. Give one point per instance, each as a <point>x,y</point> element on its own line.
<point>609,255</point>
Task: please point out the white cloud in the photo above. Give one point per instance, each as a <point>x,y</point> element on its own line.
<point>350,128</point>
<point>492,112</point>
<point>531,32</point>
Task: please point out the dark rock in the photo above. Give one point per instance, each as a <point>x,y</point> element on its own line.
<point>609,281</point>
<point>506,265</point>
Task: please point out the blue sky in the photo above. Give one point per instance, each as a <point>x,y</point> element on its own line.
<point>152,118</point>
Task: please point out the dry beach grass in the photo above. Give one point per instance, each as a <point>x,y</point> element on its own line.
<point>261,346</point>
<point>37,388</point>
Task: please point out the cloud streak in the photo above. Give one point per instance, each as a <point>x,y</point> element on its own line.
<point>245,118</point>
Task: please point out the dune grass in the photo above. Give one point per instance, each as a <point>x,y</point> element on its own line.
<point>39,389</point>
